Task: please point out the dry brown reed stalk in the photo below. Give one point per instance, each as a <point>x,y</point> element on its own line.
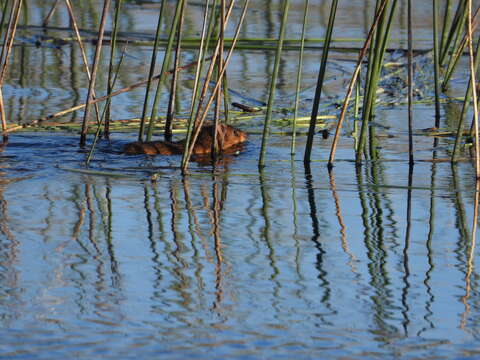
<point>353,81</point>
<point>113,48</point>
<point>3,118</point>
<point>208,77</point>
<point>100,99</point>
<point>82,50</point>
<point>220,65</point>
<point>9,38</point>
<point>457,53</point>
<point>474,87</point>
<point>217,85</point>
<point>204,40</point>
<point>46,21</point>
<point>173,88</point>
<point>98,49</point>
<point>4,57</point>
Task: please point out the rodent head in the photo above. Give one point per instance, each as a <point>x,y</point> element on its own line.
<point>233,136</point>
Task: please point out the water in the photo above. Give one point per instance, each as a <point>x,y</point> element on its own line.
<point>132,260</point>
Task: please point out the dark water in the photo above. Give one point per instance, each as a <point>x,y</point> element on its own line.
<point>230,261</point>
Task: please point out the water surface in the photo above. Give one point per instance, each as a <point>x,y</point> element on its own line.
<point>230,261</point>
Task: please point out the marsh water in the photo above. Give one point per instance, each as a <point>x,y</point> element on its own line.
<point>129,259</point>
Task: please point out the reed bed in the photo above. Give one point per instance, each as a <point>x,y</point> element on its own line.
<point>453,34</point>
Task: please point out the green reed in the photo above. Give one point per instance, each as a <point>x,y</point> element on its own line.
<point>173,88</point>
<point>456,28</point>
<point>103,118</point>
<point>153,62</point>
<point>165,65</point>
<point>436,62</point>
<point>457,53</point>
<point>353,80</point>
<point>376,56</point>
<point>299,78</point>
<point>273,83</point>
<point>96,59</point>
<point>205,37</point>
<point>320,80</point>
<point>410,81</point>
<point>447,19</point>
<point>201,118</point>
<point>465,107</point>
<point>113,44</point>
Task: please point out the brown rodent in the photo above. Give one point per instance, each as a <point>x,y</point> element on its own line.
<point>228,138</point>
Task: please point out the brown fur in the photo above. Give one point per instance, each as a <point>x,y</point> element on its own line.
<point>228,138</point>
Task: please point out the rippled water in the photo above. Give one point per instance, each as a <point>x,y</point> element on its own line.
<point>128,259</point>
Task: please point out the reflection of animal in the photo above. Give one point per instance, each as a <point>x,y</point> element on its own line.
<point>228,137</point>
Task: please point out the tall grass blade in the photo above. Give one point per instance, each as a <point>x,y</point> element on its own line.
<point>153,62</point>
<point>220,65</point>
<point>273,83</point>
<point>465,107</point>
<point>457,53</point>
<point>96,59</point>
<point>105,109</point>
<point>165,65</point>
<point>474,88</point>
<point>74,23</point>
<point>299,78</point>
<point>353,80</point>
<point>200,63</point>
<point>173,89</point>
<point>113,46</point>
<point>4,58</point>
<point>377,53</point>
<point>456,29</point>
<point>436,63</point>
<point>410,82</point>
<point>200,121</point>
<point>445,26</point>
<point>321,77</point>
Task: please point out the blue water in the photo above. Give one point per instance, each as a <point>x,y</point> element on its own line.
<point>129,259</point>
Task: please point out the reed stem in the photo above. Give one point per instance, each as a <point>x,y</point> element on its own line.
<point>474,88</point>
<point>4,59</point>
<point>436,63</point>
<point>153,62</point>
<point>200,63</point>
<point>410,83</point>
<point>165,65</point>
<point>113,45</point>
<point>104,114</point>
<point>320,79</point>
<point>465,106</point>
<point>361,56</point>
<point>173,89</point>
<point>96,59</point>
<point>299,78</point>
<point>377,53</point>
<point>46,21</point>
<point>82,50</point>
<point>220,64</point>
<point>273,83</point>
<point>217,85</point>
